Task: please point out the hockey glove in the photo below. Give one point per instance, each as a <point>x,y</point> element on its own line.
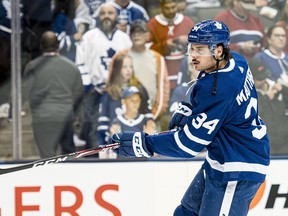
<point>132,144</point>
<point>179,117</point>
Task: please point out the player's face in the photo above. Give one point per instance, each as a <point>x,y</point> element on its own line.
<point>169,10</point>
<point>191,68</point>
<point>201,57</point>
<point>278,39</point>
<point>132,103</point>
<point>127,69</point>
<point>107,18</point>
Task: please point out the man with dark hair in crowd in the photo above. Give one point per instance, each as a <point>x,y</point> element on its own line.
<point>54,87</point>
<point>169,31</point>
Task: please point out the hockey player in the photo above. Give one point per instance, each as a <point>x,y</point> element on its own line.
<point>221,117</point>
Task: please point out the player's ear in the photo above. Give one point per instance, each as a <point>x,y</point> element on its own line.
<point>219,52</point>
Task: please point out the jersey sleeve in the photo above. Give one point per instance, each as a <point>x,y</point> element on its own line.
<point>208,114</point>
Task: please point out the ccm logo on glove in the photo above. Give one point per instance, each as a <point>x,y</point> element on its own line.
<point>183,109</point>
<point>137,146</point>
<point>180,115</point>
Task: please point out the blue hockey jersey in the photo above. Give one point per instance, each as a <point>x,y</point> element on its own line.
<point>65,29</point>
<point>226,124</point>
<point>277,66</point>
<point>131,12</point>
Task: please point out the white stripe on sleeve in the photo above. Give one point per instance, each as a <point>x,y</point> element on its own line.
<point>181,146</point>
<point>194,138</point>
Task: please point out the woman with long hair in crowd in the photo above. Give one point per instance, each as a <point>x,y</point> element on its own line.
<point>121,75</point>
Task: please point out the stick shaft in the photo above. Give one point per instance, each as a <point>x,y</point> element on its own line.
<point>59,158</point>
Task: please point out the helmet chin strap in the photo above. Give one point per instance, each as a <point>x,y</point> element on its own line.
<point>212,48</point>
<point>216,77</point>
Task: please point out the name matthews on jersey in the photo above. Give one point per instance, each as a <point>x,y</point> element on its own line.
<point>246,91</point>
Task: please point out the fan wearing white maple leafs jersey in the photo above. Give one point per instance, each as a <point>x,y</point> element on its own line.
<point>99,45</point>
<point>93,58</point>
<point>221,116</point>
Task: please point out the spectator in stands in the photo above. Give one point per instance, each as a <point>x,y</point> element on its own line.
<point>271,107</point>
<point>5,17</point>
<point>82,20</point>
<point>270,12</point>
<point>283,21</point>
<point>5,56</point>
<point>277,4</point>
<point>87,13</point>
<point>184,74</point>
<point>131,119</point>
<point>37,18</point>
<point>204,3</point>
<point>93,58</point>
<point>273,57</point>
<point>94,5</point>
<point>128,11</point>
<point>153,73</point>
<point>169,31</point>
<point>63,25</point>
<point>246,29</point>
<point>181,6</point>
<point>54,87</point>
<point>121,75</point>
<point>182,91</point>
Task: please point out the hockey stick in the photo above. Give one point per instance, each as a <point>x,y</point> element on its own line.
<point>65,157</point>
<point>59,158</point>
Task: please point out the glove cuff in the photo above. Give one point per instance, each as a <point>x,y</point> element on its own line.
<point>138,143</point>
<point>139,146</point>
